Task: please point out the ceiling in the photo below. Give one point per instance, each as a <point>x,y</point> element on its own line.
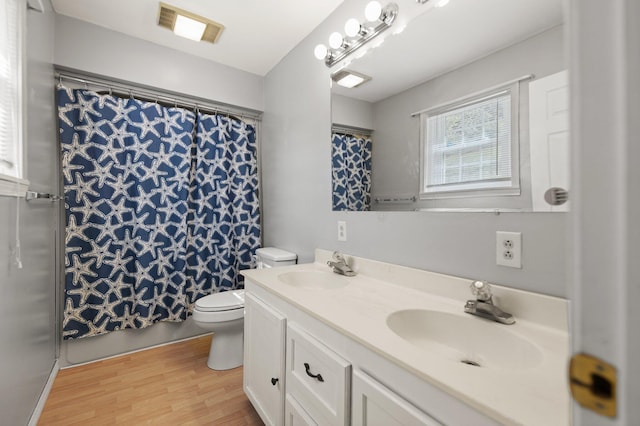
<point>257,34</point>
<point>442,39</point>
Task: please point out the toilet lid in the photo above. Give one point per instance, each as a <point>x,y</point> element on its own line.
<point>223,301</point>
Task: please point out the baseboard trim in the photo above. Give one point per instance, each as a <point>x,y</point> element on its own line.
<point>35,416</point>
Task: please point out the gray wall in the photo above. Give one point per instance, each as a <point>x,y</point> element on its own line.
<point>82,46</point>
<point>351,112</point>
<point>27,318</point>
<point>297,193</point>
<point>90,48</point>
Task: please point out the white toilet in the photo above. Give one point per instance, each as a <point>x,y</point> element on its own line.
<point>223,313</point>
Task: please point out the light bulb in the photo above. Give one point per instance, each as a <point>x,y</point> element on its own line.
<point>372,11</point>
<point>335,40</point>
<point>352,27</point>
<point>320,51</point>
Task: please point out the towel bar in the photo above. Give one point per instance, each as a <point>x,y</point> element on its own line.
<point>32,195</point>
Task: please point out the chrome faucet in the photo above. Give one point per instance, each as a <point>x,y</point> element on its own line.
<point>483,305</point>
<point>339,265</point>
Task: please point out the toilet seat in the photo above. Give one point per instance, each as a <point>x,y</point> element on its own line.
<point>223,301</point>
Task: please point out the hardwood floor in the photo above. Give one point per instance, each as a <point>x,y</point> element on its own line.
<point>169,385</point>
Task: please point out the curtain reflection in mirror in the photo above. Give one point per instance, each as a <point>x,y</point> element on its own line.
<point>351,171</point>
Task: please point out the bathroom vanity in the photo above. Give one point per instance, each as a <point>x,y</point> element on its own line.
<point>393,346</point>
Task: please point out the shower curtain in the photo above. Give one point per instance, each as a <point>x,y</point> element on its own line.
<point>161,209</point>
<point>351,172</point>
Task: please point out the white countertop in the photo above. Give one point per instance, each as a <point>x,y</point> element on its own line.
<point>538,395</point>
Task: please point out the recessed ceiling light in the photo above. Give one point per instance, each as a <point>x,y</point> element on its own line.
<point>349,79</point>
<point>188,25</point>
<point>189,28</point>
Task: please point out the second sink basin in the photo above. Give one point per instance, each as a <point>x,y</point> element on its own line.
<point>314,279</point>
<point>465,339</point>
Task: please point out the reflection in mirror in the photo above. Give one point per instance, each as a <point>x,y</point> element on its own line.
<point>441,132</point>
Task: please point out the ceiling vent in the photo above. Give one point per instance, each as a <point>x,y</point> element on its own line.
<point>349,79</point>
<point>168,15</point>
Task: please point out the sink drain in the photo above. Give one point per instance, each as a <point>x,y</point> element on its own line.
<point>469,362</point>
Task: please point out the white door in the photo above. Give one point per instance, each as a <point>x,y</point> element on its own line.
<point>549,138</point>
<point>264,352</point>
<point>605,216</point>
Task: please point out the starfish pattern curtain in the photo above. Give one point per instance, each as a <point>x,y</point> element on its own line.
<point>351,172</point>
<point>161,209</point>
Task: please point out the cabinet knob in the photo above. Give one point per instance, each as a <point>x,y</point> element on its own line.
<point>274,381</point>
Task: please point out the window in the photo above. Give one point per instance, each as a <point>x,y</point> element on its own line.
<point>10,94</point>
<point>470,147</point>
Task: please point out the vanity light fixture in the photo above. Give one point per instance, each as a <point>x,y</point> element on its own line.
<point>378,19</point>
<point>188,25</point>
<point>349,79</point>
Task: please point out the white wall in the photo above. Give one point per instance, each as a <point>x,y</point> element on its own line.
<point>27,304</point>
<point>82,46</point>
<point>297,193</point>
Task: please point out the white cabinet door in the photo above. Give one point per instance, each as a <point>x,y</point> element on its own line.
<point>373,404</point>
<point>295,415</point>
<point>264,352</point>
<point>549,138</point>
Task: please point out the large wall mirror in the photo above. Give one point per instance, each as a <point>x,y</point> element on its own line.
<point>466,109</point>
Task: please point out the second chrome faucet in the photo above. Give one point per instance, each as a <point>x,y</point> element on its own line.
<point>340,266</point>
<point>483,305</point>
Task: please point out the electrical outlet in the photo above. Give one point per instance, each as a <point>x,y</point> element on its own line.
<point>342,230</point>
<point>509,249</point>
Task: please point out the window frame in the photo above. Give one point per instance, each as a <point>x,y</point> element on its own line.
<point>17,184</point>
<point>482,188</point>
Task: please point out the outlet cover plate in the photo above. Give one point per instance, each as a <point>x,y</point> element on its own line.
<point>342,230</point>
<point>509,249</point>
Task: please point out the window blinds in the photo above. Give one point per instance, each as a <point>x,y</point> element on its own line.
<point>9,88</point>
<point>469,145</point>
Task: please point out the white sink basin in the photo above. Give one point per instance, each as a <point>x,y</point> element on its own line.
<point>314,279</point>
<point>468,340</point>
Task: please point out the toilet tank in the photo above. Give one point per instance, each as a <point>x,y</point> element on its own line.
<point>271,257</point>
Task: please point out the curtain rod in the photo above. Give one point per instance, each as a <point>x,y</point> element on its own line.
<point>343,128</point>
<point>474,95</point>
<point>159,95</point>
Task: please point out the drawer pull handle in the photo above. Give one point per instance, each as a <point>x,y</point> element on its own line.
<point>315,376</point>
<point>274,381</point>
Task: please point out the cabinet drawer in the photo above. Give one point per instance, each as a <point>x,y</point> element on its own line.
<point>318,378</point>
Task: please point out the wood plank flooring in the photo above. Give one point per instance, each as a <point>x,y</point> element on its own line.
<point>169,385</point>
